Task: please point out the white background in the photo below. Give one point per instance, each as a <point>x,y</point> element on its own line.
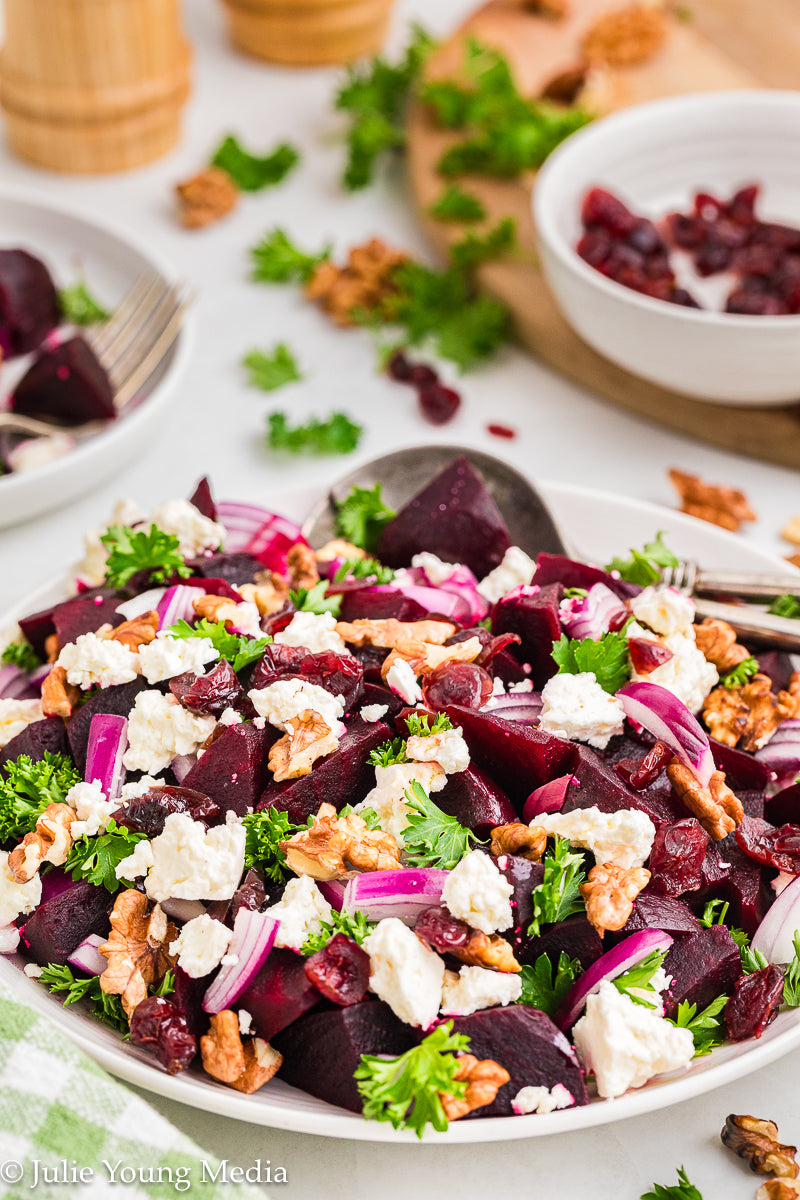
<point>217,427</point>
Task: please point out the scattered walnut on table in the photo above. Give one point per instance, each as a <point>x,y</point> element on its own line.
<point>717,642</point>
<point>756,1141</point>
<point>487,950</point>
<point>50,842</point>
<point>720,505</point>
<point>301,566</point>
<point>779,1189</point>
<point>791,531</point>
<point>365,284</point>
<point>59,697</point>
<point>626,36</point>
<point>336,846</point>
<point>717,809</point>
<point>137,948</point>
<point>609,893</point>
<point>206,197</point>
<point>527,841</point>
<point>307,738</point>
<point>483,1077</point>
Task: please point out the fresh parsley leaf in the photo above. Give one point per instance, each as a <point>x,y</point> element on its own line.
<point>575,593</point>
<point>432,838</point>
<point>486,623</point>
<point>132,550</point>
<point>335,435</point>
<point>105,1007</point>
<point>683,1190</point>
<point>361,516</point>
<point>355,925</point>
<point>455,204</point>
<point>474,249</point>
<point>314,599</point>
<point>558,895</point>
<point>545,985</point>
<point>752,960</point>
<point>240,651</point>
<point>419,724</point>
<point>406,1090</point>
<point>271,371</point>
<point>791,982</point>
<point>739,675</point>
<point>388,753</point>
<point>264,830</point>
<point>166,987</point>
<point>363,568</point>
<point>644,566</point>
<point>714,913</point>
<point>249,172</point>
<point>20,654</point>
<point>607,658</point>
<point>707,1027</point>
<point>97,858</point>
<point>640,978</point>
<point>277,260</point>
<point>79,306</point>
<point>27,787</point>
<point>374,96</point>
<point>786,605</point>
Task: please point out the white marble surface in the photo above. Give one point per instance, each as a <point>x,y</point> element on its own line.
<point>216,427</point>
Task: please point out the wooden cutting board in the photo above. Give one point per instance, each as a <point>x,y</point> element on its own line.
<point>726,43</point>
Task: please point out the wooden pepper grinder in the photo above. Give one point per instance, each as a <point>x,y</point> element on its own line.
<point>93,85</point>
<point>308,32</point>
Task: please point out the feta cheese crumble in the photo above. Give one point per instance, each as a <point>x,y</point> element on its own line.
<point>16,898</point>
<point>541,1099</point>
<point>401,679</point>
<point>516,570</point>
<point>404,972</point>
<point>194,532</point>
<point>688,674</point>
<point>245,1022</point>
<point>624,838</point>
<point>477,892</point>
<point>476,987</point>
<point>16,715</point>
<point>132,791</point>
<point>447,748</point>
<point>314,631</point>
<point>625,1044</point>
<point>301,911</point>
<point>91,660</point>
<point>387,798</point>
<point>664,609</point>
<point>159,729</point>
<point>93,810</point>
<point>165,657</point>
<point>187,861</point>
<point>577,708</point>
<point>201,945</point>
<point>372,713</point>
<point>436,570</point>
<point>288,698</point>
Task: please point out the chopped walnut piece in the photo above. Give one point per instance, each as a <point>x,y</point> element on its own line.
<point>724,506</point>
<point>206,197</point>
<point>748,715</point>
<point>390,633</point>
<point>221,1048</point>
<point>756,1141</point>
<point>308,738</point>
<point>213,607</point>
<point>269,596</point>
<point>339,548</point>
<point>138,632</point>
<point>137,948</point>
<point>51,647</point>
<point>794,559</point>
<point>779,1189</point>
<point>609,893</point>
<point>717,642</point>
<point>365,284</point>
<point>50,842</point>
<point>301,564</point>
<point>484,1078</point>
<point>566,86</point>
<point>527,841</point>
<point>717,809</point>
<point>465,651</point>
<point>487,950</point>
<point>261,1062</point>
<point>335,846</point>
<point>59,697</point>
<point>554,9</point>
<point>626,36</point>
<point>791,531</point>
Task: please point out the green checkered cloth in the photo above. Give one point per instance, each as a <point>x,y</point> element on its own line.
<point>56,1103</point>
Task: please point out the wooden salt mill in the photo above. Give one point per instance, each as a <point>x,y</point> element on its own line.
<point>308,32</point>
<point>93,85</point>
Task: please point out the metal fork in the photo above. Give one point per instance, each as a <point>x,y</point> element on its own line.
<point>779,632</point>
<point>130,346</point>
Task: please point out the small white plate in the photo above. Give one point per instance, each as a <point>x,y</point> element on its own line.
<point>111,262</point>
<point>600,525</point>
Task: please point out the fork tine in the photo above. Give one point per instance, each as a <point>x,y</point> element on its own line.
<point>140,341</point>
<point>103,336</point>
<point>134,318</point>
<point>163,338</point>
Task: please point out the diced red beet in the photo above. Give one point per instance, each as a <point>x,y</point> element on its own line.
<point>252,894</point>
<point>379,603</point>
<point>754,1004</point>
<point>376,693</point>
<point>342,778</point>
<point>233,770</point>
<point>158,1025</point>
<point>743,772</point>
<point>322,1049</point>
<point>596,784</point>
<point>339,674</point>
<point>676,859</point>
<point>455,517</point>
<point>118,700</point>
<point>781,809</point>
<point>535,619</point>
<point>739,881</point>
<point>203,499</point>
<point>555,568</point>
<point>652,910</point>
<point>531,1048</point>
<point>461,683</point>
<point>188,999</point>
<point>60,923</point>
<point>524,876</point>
<point>575,936</point>
<point>476,800</point>
<point>209,694</point>
<point>81,614</point>
<point>777,664</point>
<point>230,568</point>
<point>66,385</point>
<point>506,668</point>
<point>148,813</point>
<point>49,735</point>
<point>340,970</point>
<point>212,585</point>
<point>29,305</point>
<point>441,930</point>
<point>702,967</point>
<point>280,993</point>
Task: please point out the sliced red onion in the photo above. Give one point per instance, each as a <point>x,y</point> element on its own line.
<point>16,684</point>
<point>774,937</point>
<point>548,798</point>
<point>669,720</point>
<point>183,910</point>
<point>433,600</point>
<point>524,707</point>
<point>181,765</point>
<point>404,894</point>
<point>462,583</point>
<point>176,605</point>
<point>254,935</point>
<point>254,530</point>
<point>87,957</point>
<point>591,616</point>
<point>142,603</point>
<point>108,741</point>
<point>333,890</point>
<point>609,966</point>
<point>782,752</point>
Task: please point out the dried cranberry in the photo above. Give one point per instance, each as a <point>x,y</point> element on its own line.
<point>676,860</point>
<point>594,246</point>
<point>210,694</point>
<point>753,305</point>
<point>712,258</point>
<point>684,298</point>
<point>642,773</point>
<point>708,207</point>
<point>160,1027</point>
<point>398,367</point>
<point>421,375</point>
<point>772,847</point>
<point>461,683</point>
<point>647,655</point>
<point>501,431</point>
<point>600,207</point>
<point>783,237</point>
<point>644,237</point>
<point>340,970</point>
<point>148,813</point>
<point>339,674</point>
<point>438,404</point>
<point>754,1003</point>
<point>441,929</point>
<point>685,232</point>
<point>251,894</point>
<point>742,206</point>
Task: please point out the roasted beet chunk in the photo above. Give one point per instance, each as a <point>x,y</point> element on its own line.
<point>62,921</point>
<point>280,993</point>
<point>455,517</point>
<point>651,910</point>
<point>476,800</point>
<point>555,568</point>
<point>232,568</point>
<point>29,306</point>
<point>209,694</point>
<point>575,936</point>
<point>535,618</point>
<point>676,860</point>
<point>67,385</point>
<point>148,813</point>
<point>159,1026</point>
<point>340,971</point>
<point>339,674</point>
<point>49,735</point>
<point>203,500</point>
<point>233,770</point>
<point>754,1004</point>
<point>702,967</point>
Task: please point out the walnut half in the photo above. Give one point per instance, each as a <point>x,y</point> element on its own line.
<point>245,1066</point>
<point>484,950</point>
<point>483,1077</point>
<point>527,841</point>
<point>609,893</point>
<point>717,809</point>
<point>137,948</point>
<point>756,1141</point>
<point>335,846</point>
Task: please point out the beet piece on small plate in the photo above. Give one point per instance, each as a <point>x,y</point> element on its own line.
<point>280,993</point>
<point>29,305</point>
<point>535,619</point>
<point>702,967</point>
<point>455,517</point>
<point>66,385</point>
<point>61,922</point>
<point>48,735</point>
<point>233,770</point>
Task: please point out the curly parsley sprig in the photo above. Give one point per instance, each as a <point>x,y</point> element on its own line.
<point>432,838</point>
<point>558,895</point>
<point>240,651</point>
<point>97,858</point>
<point>133,550</point>
<point>27,787</point>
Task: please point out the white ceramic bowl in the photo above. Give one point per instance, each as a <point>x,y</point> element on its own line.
<point>111,262</point>
<point>655,156</point>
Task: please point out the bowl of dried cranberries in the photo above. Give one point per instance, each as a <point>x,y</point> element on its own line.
<point>670,236</point>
